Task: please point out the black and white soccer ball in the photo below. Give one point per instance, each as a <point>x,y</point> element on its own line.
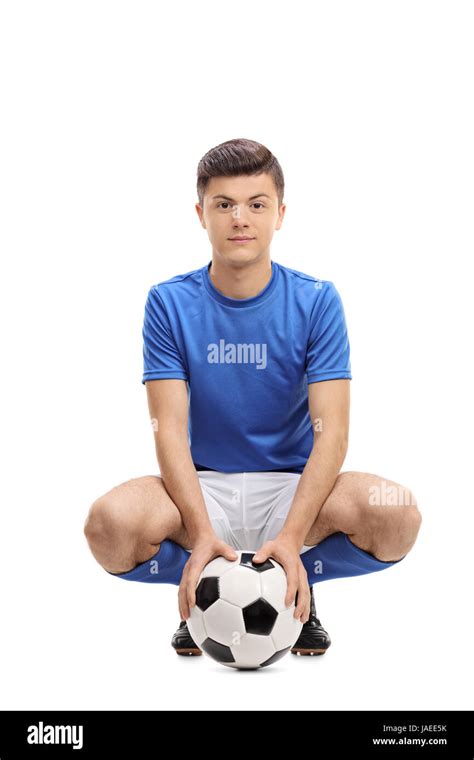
<point>240,618</point>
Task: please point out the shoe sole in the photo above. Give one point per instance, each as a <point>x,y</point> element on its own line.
<point>189,651</point>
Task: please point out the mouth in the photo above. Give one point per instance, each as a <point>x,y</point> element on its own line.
<point>241,239</point>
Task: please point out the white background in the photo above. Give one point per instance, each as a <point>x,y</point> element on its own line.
<point>107,108</point>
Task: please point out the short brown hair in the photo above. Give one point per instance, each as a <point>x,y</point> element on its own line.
<point>240,156</point>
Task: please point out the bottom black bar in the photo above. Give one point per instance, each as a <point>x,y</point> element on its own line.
<point>306,733</point>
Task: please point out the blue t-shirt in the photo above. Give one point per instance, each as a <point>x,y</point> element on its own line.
<point>247,363</point>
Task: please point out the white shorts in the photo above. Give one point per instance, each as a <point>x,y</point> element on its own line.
<point>248,508</point>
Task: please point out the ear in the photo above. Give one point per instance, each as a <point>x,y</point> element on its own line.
<point>281,214</point>
<point>200,213</point>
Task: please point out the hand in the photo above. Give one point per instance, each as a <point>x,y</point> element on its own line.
<point>286,552</point>
<point>206,547</point>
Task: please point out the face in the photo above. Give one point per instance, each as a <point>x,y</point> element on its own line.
<point>241,207</point>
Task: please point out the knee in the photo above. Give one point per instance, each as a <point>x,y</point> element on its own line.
<point>94,526</point>
<point>103,524</point>
<point>406,515</point>
<point>394,527</point>
<point>409,522</point>
<point>412,517</point>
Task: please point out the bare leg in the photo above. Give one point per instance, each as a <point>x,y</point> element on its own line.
<point>379,516</point>
<point>126,525</point>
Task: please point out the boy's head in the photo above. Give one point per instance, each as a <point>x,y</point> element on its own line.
<point>240,188</point>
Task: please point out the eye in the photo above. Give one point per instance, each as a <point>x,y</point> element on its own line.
<point>258,203</point>
<point>224,203</point>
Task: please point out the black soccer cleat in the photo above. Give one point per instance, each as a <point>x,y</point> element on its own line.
<point>183,643</point>
<point>313,639</point>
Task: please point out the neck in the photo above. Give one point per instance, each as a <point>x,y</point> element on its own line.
<point>237,281</point>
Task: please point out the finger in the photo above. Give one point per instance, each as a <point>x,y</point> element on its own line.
<point>191,589</point>
<point>292,588</point>
<point>184,607</point>
<point>191,596</point>
<point>261,555</point>
<point>230,554</point>
<point>302,603</point>
<point>301,607</point>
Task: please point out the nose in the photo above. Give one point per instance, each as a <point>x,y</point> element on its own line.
<point>239,216</point>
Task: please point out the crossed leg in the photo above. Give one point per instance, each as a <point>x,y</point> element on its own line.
<point>378,515</point>
<point>126,525</point>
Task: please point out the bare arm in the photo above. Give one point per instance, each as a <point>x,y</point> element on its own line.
<point>329,410</point>
<point>168,407</point>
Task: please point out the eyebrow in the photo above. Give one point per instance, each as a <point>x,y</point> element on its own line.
<point>252,197</point>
